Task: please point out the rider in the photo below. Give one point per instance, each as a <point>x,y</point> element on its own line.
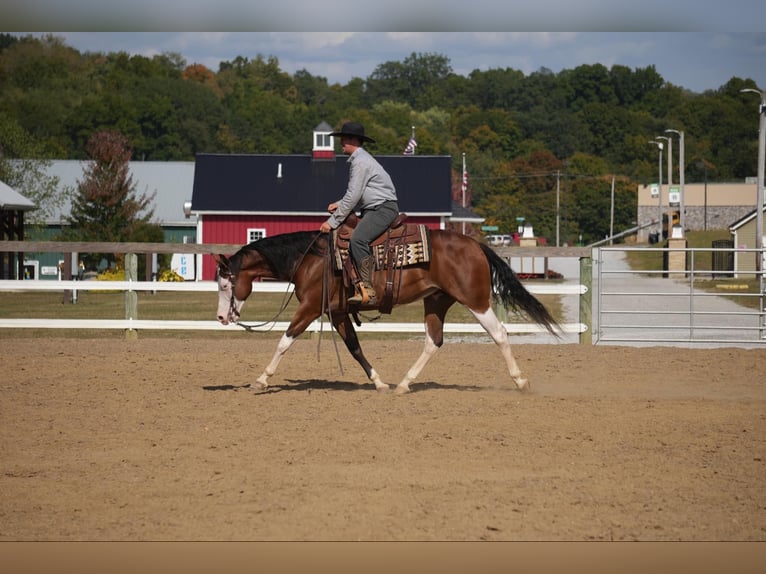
<point>370,190</point>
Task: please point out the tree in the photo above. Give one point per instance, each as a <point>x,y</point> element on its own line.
<point>106,206</point>
<point>22,168</point>
<point>418,80</point>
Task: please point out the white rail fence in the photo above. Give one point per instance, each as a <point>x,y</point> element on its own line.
<point>130,323</point>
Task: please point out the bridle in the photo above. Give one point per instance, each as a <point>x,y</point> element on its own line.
<point>232,277</point>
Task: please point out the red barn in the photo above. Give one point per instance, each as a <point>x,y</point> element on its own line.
<point>241,198</point>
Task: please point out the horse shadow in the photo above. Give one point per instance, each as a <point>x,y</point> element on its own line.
<point>308,385</point>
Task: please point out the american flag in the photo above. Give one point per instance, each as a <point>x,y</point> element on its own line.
<point>411,145</point>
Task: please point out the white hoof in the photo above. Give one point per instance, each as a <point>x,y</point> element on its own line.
<point>382,387</point>
<point>523,385</point>
<point>402,389</point>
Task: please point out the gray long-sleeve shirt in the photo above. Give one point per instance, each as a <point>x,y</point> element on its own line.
<point>368,185</point>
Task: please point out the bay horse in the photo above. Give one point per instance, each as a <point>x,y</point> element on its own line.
<point>461,270</point>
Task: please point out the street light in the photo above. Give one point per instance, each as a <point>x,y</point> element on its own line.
<point>759,184</point>
<point>670,176</point>
<point>659,191</point>
<point>681,178</point>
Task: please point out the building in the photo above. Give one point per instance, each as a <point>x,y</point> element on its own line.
<point>706,206</point>
<point>743,237</point>
<point>13,206</point>
<point>170,182</point>
<point>235,199</point>
<point>238,199</point>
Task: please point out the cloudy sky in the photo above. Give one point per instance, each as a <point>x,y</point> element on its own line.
<point>696,44</point>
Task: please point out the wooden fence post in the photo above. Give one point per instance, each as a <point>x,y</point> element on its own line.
<point>131,297</point>
<point>66,275</point>
<point>586,300</point>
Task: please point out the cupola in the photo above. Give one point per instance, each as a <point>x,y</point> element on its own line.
<point>323,147</point>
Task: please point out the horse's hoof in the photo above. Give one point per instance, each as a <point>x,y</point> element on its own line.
<point>402,390</point>
<point>382,388</point>
<point>260,386</point>
<point>523,385</point>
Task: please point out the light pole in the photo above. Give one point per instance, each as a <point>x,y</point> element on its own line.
<point>759,185</point>
<point>659,190</point>
<point>681,177</point>
<point>670,176</point>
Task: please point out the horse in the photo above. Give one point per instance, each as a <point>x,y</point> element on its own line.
<point>461,269</point>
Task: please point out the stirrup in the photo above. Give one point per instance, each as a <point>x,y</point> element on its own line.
<point>363,294</point>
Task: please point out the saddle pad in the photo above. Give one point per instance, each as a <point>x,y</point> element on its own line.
<point>415,249</point>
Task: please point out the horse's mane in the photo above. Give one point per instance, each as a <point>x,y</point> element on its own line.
<point>285,251</point>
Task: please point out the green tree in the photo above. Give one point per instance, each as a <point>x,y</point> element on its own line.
<point>23,167</point>
<point>106,206</point>
<point>418,80</point>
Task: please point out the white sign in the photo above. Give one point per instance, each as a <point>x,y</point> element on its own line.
<point>674,196</point>
<point>655,188</point>
<point>49,270</point>
<point>183,264</point>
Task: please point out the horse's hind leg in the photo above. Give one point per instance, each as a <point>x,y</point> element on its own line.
<point>346,330</point>
<point>435,307</point>
<point>497,331</point>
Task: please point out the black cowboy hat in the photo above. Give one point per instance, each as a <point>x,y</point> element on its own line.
<point>353,129</point>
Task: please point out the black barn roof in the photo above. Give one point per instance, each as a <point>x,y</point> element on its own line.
<point>302,184</point>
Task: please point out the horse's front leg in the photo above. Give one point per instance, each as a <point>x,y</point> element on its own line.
<point>346,330</point>
<point>283,346</point>
<point>300,321</point>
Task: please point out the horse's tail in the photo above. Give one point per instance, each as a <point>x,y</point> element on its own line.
<point>508,290</point>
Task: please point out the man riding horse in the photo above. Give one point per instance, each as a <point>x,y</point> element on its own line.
<point>370,190</point>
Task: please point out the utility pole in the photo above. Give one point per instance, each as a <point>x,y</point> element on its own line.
<point>759,185</point>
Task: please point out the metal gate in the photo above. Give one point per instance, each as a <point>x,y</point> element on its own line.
<point>682,306</point>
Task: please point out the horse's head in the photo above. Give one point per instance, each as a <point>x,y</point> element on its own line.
<point>229,307</point>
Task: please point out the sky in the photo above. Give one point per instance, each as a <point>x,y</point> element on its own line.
<point>697,61</point>
<point>695,44</point>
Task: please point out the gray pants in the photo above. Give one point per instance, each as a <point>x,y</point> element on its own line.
<point>373,222</point>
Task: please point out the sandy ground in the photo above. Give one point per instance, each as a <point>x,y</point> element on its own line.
<point>162,439</point>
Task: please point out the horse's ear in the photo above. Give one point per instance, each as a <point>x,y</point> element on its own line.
<point>222,261</point>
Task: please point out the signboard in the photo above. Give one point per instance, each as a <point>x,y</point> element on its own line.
<point>183,264</point>
<point>655,189</point>
<point>489,228</point>
<point>674,196</point>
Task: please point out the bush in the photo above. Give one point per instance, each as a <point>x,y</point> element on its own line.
<point>170,275</point>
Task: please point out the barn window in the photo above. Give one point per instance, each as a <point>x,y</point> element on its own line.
<point>254,234</point>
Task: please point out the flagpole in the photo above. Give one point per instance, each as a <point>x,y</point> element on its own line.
<point>463,190</point>
<point>413,139</point>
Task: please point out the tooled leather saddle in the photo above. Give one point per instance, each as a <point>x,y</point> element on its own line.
<point>401,245</point>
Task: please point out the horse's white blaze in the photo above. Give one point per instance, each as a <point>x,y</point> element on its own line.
<point>497,331</point>
<point>227,313</point>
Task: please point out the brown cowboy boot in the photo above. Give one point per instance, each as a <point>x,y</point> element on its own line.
<point>365,292</point>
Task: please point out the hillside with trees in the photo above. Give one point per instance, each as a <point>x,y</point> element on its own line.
<point>523,136</point>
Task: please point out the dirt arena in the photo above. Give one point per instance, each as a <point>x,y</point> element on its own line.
<point>161,439</point>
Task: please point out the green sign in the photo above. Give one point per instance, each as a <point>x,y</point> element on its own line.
<point>489,228</point>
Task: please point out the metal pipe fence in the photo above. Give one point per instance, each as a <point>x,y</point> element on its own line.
<point>691,305</point>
